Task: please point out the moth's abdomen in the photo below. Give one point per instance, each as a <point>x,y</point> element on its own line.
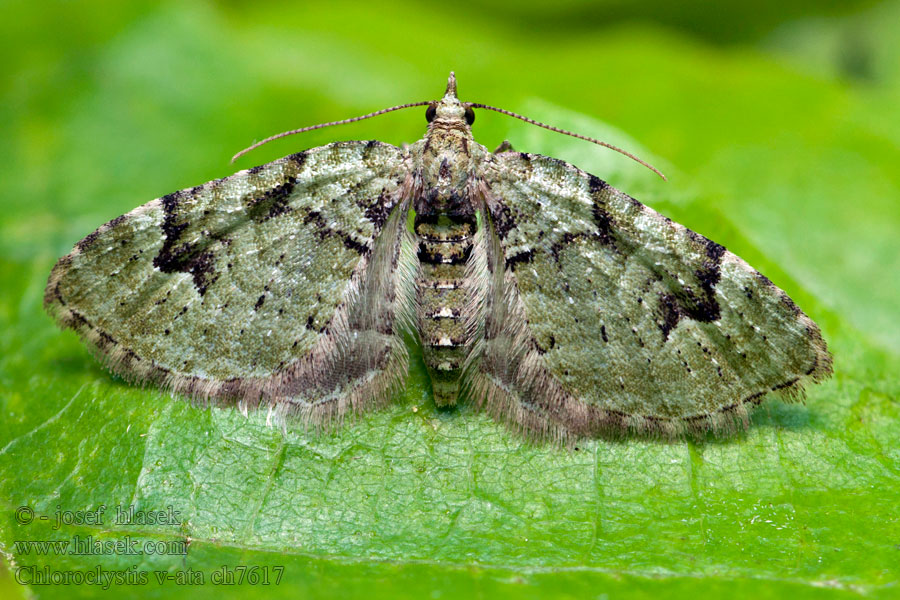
<point>444,245</point>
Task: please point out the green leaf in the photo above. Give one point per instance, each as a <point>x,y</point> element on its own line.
<point>789,170</point>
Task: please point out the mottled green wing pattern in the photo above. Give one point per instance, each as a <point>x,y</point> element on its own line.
<point>275,285</point>
<point>602,315</point>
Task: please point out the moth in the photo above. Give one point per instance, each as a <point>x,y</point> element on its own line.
<point>547,298</point>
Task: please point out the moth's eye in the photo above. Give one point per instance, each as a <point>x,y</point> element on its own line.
<point>470,115</point>
<point>430,113</point>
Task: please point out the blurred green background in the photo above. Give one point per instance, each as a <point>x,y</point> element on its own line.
<point>778,125</point>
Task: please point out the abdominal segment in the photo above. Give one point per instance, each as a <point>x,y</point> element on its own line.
<point>444,245</point>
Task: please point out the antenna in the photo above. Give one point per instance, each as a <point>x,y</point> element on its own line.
<point>451,90</point>
<point>323,125</point>
<point>575,135</point>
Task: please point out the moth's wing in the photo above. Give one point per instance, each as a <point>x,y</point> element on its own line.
<point>277,285</point>
<point>601,315</point>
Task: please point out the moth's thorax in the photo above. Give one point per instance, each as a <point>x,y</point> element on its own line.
<point>446,163</point>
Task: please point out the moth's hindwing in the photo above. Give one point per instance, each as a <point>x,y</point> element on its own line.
<point>274,285</point>
<point>602,315</point>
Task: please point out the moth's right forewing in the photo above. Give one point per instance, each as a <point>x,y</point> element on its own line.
<point>225,290</point>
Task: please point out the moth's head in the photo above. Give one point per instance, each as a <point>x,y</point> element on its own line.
<point>449,111</point>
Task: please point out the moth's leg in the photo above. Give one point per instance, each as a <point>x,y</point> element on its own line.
<point>505,146</point>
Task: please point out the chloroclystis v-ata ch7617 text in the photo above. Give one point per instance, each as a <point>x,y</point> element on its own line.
<point>544,296</point>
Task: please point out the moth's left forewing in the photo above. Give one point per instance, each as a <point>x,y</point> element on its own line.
<point>603,315</point>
